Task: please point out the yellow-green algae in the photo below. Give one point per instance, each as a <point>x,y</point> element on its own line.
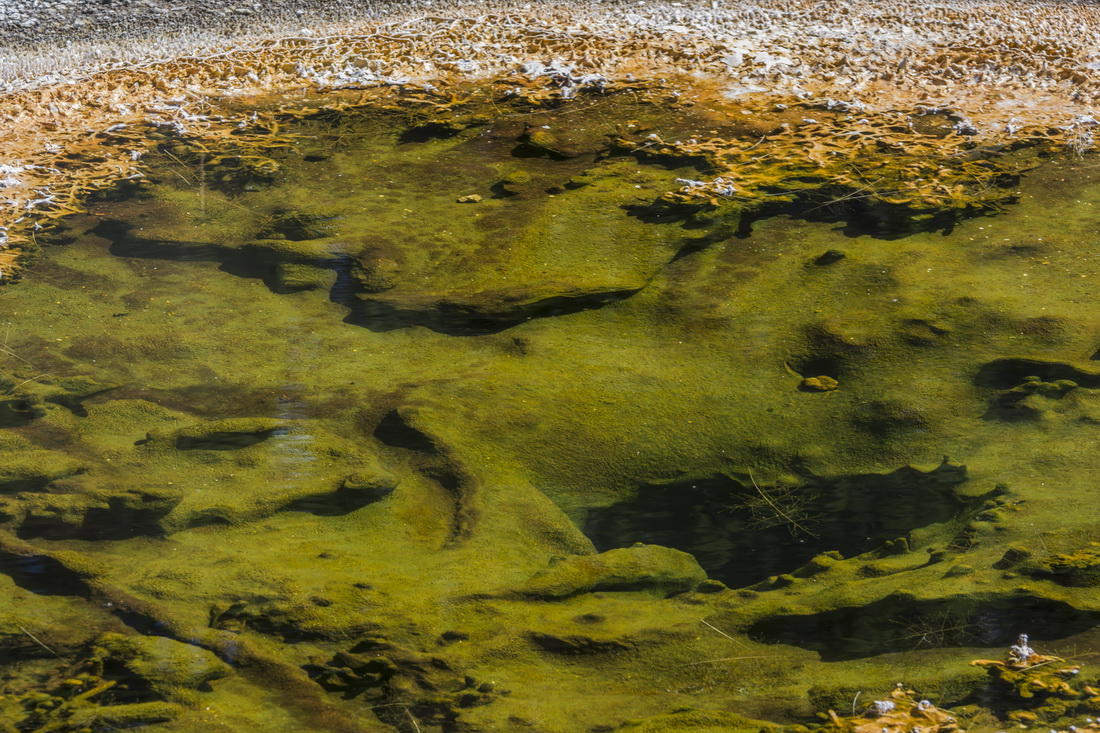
<point>342,431</point>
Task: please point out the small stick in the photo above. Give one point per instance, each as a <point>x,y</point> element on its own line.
<point>25,381</point>
<point>794,523</point>
<point>38,641</point>
<point>723,633</point>
<point>728,659</point>
<point>411,719</point>
<point>404,707</point>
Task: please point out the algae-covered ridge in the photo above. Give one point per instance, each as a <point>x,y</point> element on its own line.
<point>555,400</point>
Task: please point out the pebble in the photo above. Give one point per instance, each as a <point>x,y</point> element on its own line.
<point>819,384</point>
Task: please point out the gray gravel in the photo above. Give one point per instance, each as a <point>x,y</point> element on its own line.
<point>38,23</point>
<point>43,41</point>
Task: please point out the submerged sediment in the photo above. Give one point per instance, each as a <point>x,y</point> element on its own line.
<point>562,368</point>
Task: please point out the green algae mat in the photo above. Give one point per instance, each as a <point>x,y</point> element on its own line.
<point>461,422</point>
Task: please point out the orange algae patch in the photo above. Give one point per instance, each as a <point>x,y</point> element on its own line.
<point>850,154</point>
<point>854,100</point>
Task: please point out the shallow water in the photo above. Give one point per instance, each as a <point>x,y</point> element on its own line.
<point>361,440</point>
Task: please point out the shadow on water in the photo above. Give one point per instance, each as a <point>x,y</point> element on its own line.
<point>855,216</point>
<point>124,244</point>
<point>41,575</point>
<point>336,504</point>
<point>45,576</point>
<point>465,318</point>
<point>1009,373</point>
<point>743,534</point>
<point>454,319</point>
<point>900,623</point>
<point>394,430</point>
<point>134,513</point>
<point>861,217</point>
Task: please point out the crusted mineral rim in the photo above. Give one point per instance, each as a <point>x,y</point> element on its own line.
<point>938,91</point>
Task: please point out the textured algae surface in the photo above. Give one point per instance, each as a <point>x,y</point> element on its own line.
<point>451,424</point>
